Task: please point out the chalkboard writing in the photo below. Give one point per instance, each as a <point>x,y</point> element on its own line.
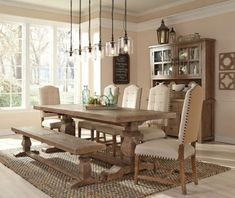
<point>121,69</point>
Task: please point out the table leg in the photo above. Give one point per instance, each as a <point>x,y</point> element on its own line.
<point>68,127</point>
<point>131,136</point>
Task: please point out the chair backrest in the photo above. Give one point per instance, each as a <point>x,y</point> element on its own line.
<point>49,95</point>
<point>131,97</point>
<point>114,89</point>
<point>159,100</point>
<point>191,115</point>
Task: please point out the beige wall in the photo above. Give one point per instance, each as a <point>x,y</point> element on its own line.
<point>218,27</point>
<point>19,118</point>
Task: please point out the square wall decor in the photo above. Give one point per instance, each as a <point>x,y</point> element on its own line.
<point>227,80</point>
<point>227,61</point>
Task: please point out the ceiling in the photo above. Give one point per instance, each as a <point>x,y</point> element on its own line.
<point>134,6</point>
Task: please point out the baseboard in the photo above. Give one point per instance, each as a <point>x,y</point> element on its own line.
<point>4,132</point>
<point>224,139</point>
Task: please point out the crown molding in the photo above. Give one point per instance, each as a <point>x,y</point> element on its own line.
<point>177,3</point>
<point>200,13</point>
<point>209,11</point>
<point>40,8</point>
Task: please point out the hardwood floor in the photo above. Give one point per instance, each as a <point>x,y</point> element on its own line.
<point>222,185</point>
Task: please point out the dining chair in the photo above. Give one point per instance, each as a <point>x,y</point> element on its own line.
<point>49,95</point>
<point>131,99</point>
<point>180,149</point>
<point>89,125</point>
<point>158,100</point>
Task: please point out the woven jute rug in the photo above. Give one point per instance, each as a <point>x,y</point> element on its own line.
<point>56,184</point>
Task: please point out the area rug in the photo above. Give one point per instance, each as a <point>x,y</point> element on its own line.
<point>56,184</point>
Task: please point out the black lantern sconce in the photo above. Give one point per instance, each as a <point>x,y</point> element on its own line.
<point>163,34</point>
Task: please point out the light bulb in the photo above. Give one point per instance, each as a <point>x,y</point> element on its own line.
<point>112,51</point>
<point>125,48</point>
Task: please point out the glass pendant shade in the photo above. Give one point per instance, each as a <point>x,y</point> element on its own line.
<point>111,48</point>
<point>125,45</point>
<point>86,55</point>
<point>97,52</point>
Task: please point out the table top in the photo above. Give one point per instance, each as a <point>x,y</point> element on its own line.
<point>117,116</point>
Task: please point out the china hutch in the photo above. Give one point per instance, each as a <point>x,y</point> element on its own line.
<point>185,63</point>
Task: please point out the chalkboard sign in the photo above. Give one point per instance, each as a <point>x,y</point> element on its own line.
<point>121,69</point>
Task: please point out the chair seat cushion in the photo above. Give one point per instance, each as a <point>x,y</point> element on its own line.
<point>151,133</point>
<point>163,148</point>
<point>52,123</point>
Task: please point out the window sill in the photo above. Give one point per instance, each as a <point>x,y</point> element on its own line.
<point>29,110</point>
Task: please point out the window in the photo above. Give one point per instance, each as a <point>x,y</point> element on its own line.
<point>40,58</point>
<point>10,65</point>
<point>33,55</point>
<point>66,70</point>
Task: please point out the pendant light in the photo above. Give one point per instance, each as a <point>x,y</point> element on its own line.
<point>70,51</point>
<point>98,48</point>
<point>88,49</point>
<point>111,47</point>
<point>80,36</point>
<point>125,44</point>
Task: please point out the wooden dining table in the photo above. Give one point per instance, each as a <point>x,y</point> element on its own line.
<point>128,118</point>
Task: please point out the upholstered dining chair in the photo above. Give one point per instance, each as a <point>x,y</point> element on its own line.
<point>49,95</point>
<point>131,99</point>
<point>180,149</point>
<point>90,125</point>
<point>158,100</point>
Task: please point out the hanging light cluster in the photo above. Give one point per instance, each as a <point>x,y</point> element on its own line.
<point>112,48</point>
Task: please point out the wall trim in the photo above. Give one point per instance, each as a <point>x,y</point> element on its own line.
<point>153,24</point>
<point>164,7</point>
<point>200,13</point>
<point>224,139</point>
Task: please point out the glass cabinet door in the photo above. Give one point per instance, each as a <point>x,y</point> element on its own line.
<point>162,62</point>
<point>189,61</point>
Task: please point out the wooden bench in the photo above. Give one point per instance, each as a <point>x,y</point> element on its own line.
<point>71,144</point>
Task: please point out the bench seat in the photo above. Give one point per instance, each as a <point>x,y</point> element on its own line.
<point>69,143</point>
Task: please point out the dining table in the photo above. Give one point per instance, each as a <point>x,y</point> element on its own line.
<point>129,119</point>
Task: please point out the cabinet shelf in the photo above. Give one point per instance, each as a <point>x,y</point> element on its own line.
<point>191,61</point>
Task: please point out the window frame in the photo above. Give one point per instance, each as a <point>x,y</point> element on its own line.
<point>25,23</point>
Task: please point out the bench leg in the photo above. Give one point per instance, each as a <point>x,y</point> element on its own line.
<point>26,144</point>
<point>84,168</point>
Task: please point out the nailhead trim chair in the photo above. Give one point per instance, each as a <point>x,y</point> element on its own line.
<point>159,100</point>
<point>49,95</point>
<point>180,149</point>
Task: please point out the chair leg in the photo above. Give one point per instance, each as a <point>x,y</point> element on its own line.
<point>104,135</point>
<point>137,167</point>
<point>114,144</point>
<point>97,136</point>
<point>79,132</point>
<point>194,169</point>
<point>182,176</point>
<point>92,134</point>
